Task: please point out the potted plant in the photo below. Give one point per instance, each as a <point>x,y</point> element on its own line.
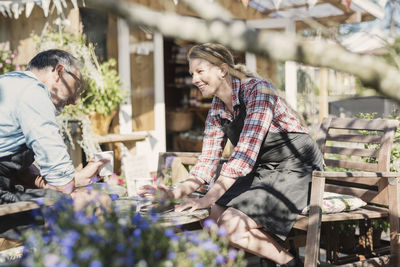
<point>100,100</point>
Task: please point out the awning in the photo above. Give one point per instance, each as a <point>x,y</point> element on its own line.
<point>14,8</point>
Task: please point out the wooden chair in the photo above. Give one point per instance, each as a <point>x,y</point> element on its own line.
<point>343,144</point>
<point>178,165</point>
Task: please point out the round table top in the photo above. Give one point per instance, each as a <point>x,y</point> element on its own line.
<point>173,218</point>
<point>168,217</point>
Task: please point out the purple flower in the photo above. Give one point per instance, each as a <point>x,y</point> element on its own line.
<point>81,218</point>
<point>209,223</point>
<point>199,264</point>
<point>191,237</point>
<point>154,216</point>
<point>129,260</point>
<point>171,234</point>
<point>86,254</point>
<point>168,162</point>
<point>70,239</point>
<point>171,255</point>
<point>157,254</point>
<point>95,263</point>
<point>68,252</point>
<point>39,201</point>
<point>114,196</point>
<point>221,231</point>
<point>209,245</point>
<point>120,247</point>
<point>220,259</point>
<point>232,254</point>
<point>192,256</point>
<point>94,236</point>
<point>137,218</point>
<point>61,264</point>
<point>137,233</point>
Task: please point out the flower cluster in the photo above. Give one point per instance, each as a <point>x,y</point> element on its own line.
<point>7,62</point>
<point>115,179</point>
<point>114,238</point>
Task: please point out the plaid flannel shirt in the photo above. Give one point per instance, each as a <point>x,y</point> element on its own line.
<point>264,112</point>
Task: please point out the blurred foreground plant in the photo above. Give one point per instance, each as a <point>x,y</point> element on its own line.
<point>82,238</point>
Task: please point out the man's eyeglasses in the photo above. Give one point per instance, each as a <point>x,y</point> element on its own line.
<point>74,76</point>
<point>77,79</point>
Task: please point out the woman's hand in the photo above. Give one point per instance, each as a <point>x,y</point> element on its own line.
<point>194,204</point>
<point>85,176</point>
<point>152,190</point>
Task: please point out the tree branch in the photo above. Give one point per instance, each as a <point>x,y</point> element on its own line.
<point>373,72</point>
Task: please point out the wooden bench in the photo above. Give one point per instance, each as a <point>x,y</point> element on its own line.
<point>363,148</point>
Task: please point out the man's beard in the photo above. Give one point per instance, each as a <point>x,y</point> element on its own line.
<point>60,107</point>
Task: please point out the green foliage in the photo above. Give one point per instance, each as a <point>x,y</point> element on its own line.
<point>347,227</point>
<point>395,153</point>
<point>113,238</point>
<point>380,224</point>
<point>392,57</point>
<point>104,100</point>
<point>7,62</point>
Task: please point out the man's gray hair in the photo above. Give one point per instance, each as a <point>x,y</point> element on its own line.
<point>52,58</point>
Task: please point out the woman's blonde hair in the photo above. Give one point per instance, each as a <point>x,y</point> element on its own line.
<point>218,54</point>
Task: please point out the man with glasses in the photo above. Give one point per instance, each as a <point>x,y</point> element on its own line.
<point>29,103</point>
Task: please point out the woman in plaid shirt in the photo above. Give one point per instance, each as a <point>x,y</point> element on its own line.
<point>265,183</point>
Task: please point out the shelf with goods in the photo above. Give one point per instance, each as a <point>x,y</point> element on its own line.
<point>186,108</point>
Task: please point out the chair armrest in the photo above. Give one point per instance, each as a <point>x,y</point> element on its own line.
<point>357,174</point>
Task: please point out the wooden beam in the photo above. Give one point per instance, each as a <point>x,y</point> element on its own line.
<point>113,138</point>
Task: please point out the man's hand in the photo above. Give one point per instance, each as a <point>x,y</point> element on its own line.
<point>66,189</point>
<point>85,176</point>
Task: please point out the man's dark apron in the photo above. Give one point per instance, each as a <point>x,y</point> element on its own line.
<point>277,189</point>
<point>11,226</point>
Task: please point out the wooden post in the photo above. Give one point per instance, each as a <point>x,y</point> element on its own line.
<point>394,213</point>
<point>323,94</point>
<point>314,222</point>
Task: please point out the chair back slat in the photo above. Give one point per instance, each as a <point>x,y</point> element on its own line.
<point>340,137</point>
<point>351,151</point>
<point>352,165</point>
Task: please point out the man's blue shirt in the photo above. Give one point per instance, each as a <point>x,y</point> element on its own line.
<point>27,117</point>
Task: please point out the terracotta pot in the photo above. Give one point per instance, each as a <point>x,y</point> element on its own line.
<point>101,122</point>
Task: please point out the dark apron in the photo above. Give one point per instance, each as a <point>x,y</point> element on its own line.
<point>12,225</point>
<point>11,167</point>
<point>277,189</point>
